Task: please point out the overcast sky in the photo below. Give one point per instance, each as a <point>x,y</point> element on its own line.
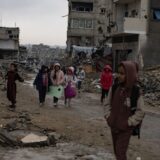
<point>40,21</point>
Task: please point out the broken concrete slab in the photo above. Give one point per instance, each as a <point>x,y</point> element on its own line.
<point>34,140</point>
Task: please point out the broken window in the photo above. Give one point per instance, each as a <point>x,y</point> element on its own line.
<point>89,24</point>
<point>10,36</point>
<point>9,32</point>
<point>82,6</point>
<point>103,10</point>
<point>156,14</point>
<point>134,13</point>
<point>100,30</point>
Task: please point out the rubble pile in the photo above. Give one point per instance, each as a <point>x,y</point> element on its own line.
<point>150,82</point>
<point>91,83</point>
<point>21,132</point>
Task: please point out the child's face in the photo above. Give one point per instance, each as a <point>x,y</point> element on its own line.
<point>121,74</point>
<point>57,68</point>
<point>69,72</point>
<point>12,68</point>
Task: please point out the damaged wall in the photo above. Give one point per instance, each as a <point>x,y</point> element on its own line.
<point>9,43</point>
<point>152,48</point>
<point>86,23</point>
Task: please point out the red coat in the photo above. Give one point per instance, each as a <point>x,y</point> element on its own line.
<point>106,78</point>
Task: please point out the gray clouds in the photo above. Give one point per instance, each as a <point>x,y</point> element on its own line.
<point>39,20</point>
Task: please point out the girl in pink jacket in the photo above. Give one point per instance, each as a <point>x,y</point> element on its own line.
<point>57,79</point>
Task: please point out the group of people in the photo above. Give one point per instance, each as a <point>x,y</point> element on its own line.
<point>55,82</point>
<point>122,107</point>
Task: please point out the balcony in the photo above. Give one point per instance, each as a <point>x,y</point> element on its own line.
<point>135,25</point>
<point>132,26</point>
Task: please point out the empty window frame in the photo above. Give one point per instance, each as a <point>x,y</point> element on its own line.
<point>82,6</point>
<point>156,14</point>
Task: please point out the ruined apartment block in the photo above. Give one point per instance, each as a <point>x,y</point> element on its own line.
<point>134,28</point>
<point>9,43</point>
<point>86,23</point>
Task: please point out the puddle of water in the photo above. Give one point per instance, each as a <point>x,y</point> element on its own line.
<point>63,151</point>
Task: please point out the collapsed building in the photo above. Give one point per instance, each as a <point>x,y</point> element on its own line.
<point>9,43</point>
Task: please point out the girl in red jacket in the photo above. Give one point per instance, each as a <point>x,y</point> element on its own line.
<point>106,81</point>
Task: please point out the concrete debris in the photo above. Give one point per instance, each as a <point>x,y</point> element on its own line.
<point>21,132</point>
<point>150,83</point>
<point>26,138</point>
<point>33,139</point>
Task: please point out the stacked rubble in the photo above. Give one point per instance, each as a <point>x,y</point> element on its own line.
<point>150,82</point>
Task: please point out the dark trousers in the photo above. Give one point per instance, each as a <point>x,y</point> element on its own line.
<point>104,94</point>
<point>42,94</point>
<point>79,85</point>
<point>120,143</point>
<point>55,99</point>
<point>11,94</point>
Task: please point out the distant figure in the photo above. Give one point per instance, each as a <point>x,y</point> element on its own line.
<point>41,83</point>
<point>57,79</point>
<point>11,77</point>
<point>123,109</point>
<point>80,76</point>
<point>106,81</point>
<point>70,86</point>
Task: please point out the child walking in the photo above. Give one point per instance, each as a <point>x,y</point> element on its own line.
<point>70,86</point>
<point>57,79</point>
<point>41,83</point>
<point>11,78</point>
<point>123,97</point>
<point>106,81</point>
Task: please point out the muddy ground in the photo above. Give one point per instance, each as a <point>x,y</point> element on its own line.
<point>81,125</point>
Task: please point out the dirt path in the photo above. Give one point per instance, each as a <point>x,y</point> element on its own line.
<point>83,123</point>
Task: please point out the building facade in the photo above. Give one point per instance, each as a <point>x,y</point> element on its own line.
<point>86,23</point>
<point>134,31</point>
<point>9,43</point>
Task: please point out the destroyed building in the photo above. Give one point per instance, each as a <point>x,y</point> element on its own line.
<point>134,30</point>
<point>9,43</point>
<point>86,23</point>
<point>23,53</point>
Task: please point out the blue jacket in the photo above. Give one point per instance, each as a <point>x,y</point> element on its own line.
<point>38,82</point>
